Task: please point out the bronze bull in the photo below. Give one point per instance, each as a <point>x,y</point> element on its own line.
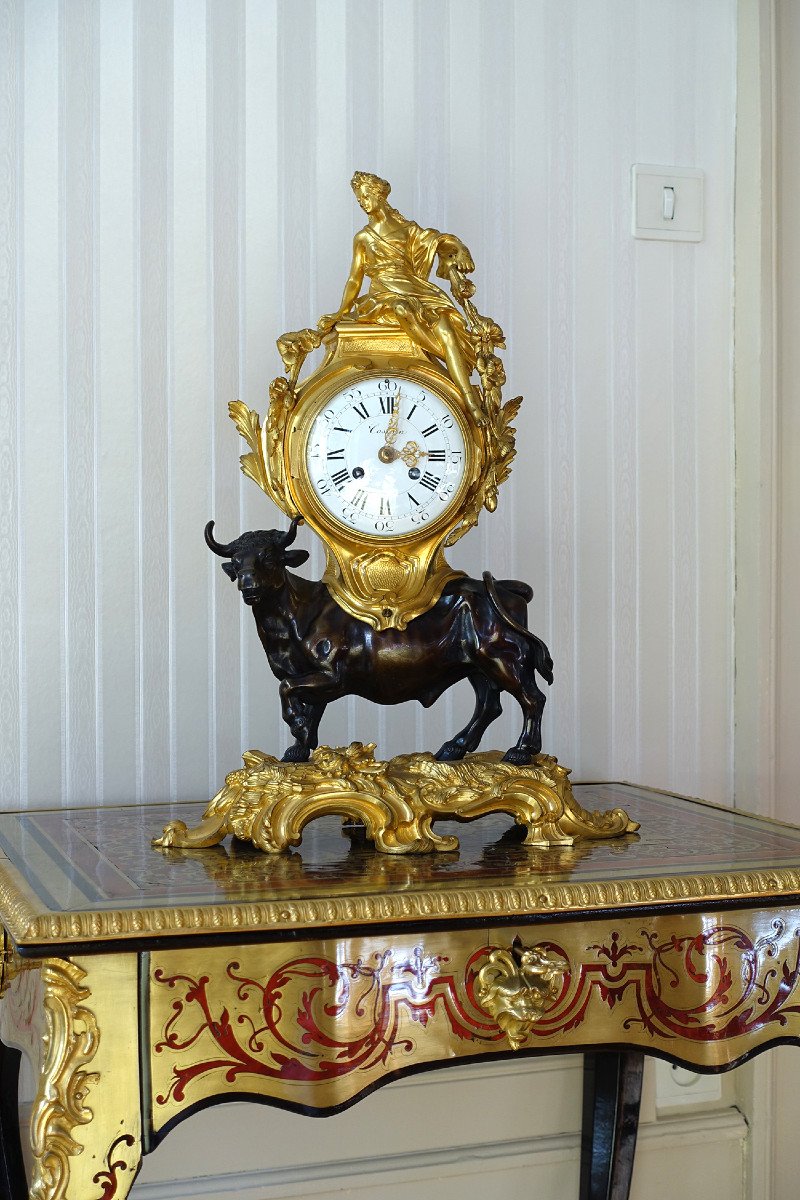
<point>477,630</point>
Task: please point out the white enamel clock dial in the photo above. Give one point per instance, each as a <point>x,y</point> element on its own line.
<point>386,457</point>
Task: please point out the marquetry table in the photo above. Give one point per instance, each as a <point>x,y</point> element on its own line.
<point>145,984</point>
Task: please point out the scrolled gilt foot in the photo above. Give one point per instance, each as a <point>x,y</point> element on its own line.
<point>518,985</point>
<point>213,828</point>
<point>178,835</point>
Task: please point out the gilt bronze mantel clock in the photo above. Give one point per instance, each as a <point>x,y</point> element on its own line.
<point>389,450</point>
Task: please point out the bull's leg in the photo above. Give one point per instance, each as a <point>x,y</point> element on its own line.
<point>518,678</point>
<point>304,726</point>
<point>487,709</point>
<point>303,716</point>
<point>529,742</point>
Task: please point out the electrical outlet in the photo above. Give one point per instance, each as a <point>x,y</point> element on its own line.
<point>678,1088</point>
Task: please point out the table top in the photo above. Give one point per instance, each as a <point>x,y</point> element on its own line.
<point>90,877</point>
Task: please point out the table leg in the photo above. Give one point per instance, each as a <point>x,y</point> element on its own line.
<point>612,1090</point>
<point>85,1121</point>
<point>13,1184</point>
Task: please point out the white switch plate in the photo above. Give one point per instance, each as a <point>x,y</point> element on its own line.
<point>648,203</point>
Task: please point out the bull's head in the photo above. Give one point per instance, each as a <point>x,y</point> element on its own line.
<point>258,559</point>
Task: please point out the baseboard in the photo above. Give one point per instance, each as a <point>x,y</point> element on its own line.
<point>526,1155</point>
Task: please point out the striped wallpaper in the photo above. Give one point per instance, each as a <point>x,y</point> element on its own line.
<point>174,194</point>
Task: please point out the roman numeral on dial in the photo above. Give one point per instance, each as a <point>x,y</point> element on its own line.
<point>431,482</point>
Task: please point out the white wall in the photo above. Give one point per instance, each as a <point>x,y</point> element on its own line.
<point>174,185</point>
<point>177,177</point>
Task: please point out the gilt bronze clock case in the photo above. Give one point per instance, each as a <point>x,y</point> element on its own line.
<point>382,577</point>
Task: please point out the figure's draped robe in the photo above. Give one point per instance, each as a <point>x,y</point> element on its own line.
<point>398,266</point>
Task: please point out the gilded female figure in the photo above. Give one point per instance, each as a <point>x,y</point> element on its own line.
<point>397,256</point>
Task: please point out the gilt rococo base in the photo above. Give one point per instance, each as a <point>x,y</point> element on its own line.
<point>269,802</point>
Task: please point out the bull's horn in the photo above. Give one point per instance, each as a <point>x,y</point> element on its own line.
<point>287,538</point>
<point>217,547</point>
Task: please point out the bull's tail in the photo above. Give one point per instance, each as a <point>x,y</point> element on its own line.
<point>542,660</point>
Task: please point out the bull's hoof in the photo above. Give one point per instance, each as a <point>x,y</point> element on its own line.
<point>297,754</point>
<point>451,752</point>
<point>517,757</point>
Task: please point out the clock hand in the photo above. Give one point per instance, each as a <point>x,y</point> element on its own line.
<point>412,453</point>
<point>393,427</point>
<point>387,452</point>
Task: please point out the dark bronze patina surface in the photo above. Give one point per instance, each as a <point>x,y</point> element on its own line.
<point>477,630</point>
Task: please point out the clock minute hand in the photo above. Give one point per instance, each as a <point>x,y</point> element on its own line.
<point>387,452</point>
<point>393,428</point>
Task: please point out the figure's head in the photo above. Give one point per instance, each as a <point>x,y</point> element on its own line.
<point>371,191</point>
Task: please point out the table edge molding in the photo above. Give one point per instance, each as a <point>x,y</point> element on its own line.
<point>30,926</point>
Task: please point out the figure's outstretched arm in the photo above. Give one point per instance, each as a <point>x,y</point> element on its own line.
<point>351,289</point>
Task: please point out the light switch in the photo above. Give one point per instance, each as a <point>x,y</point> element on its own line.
<point>667,203</point>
